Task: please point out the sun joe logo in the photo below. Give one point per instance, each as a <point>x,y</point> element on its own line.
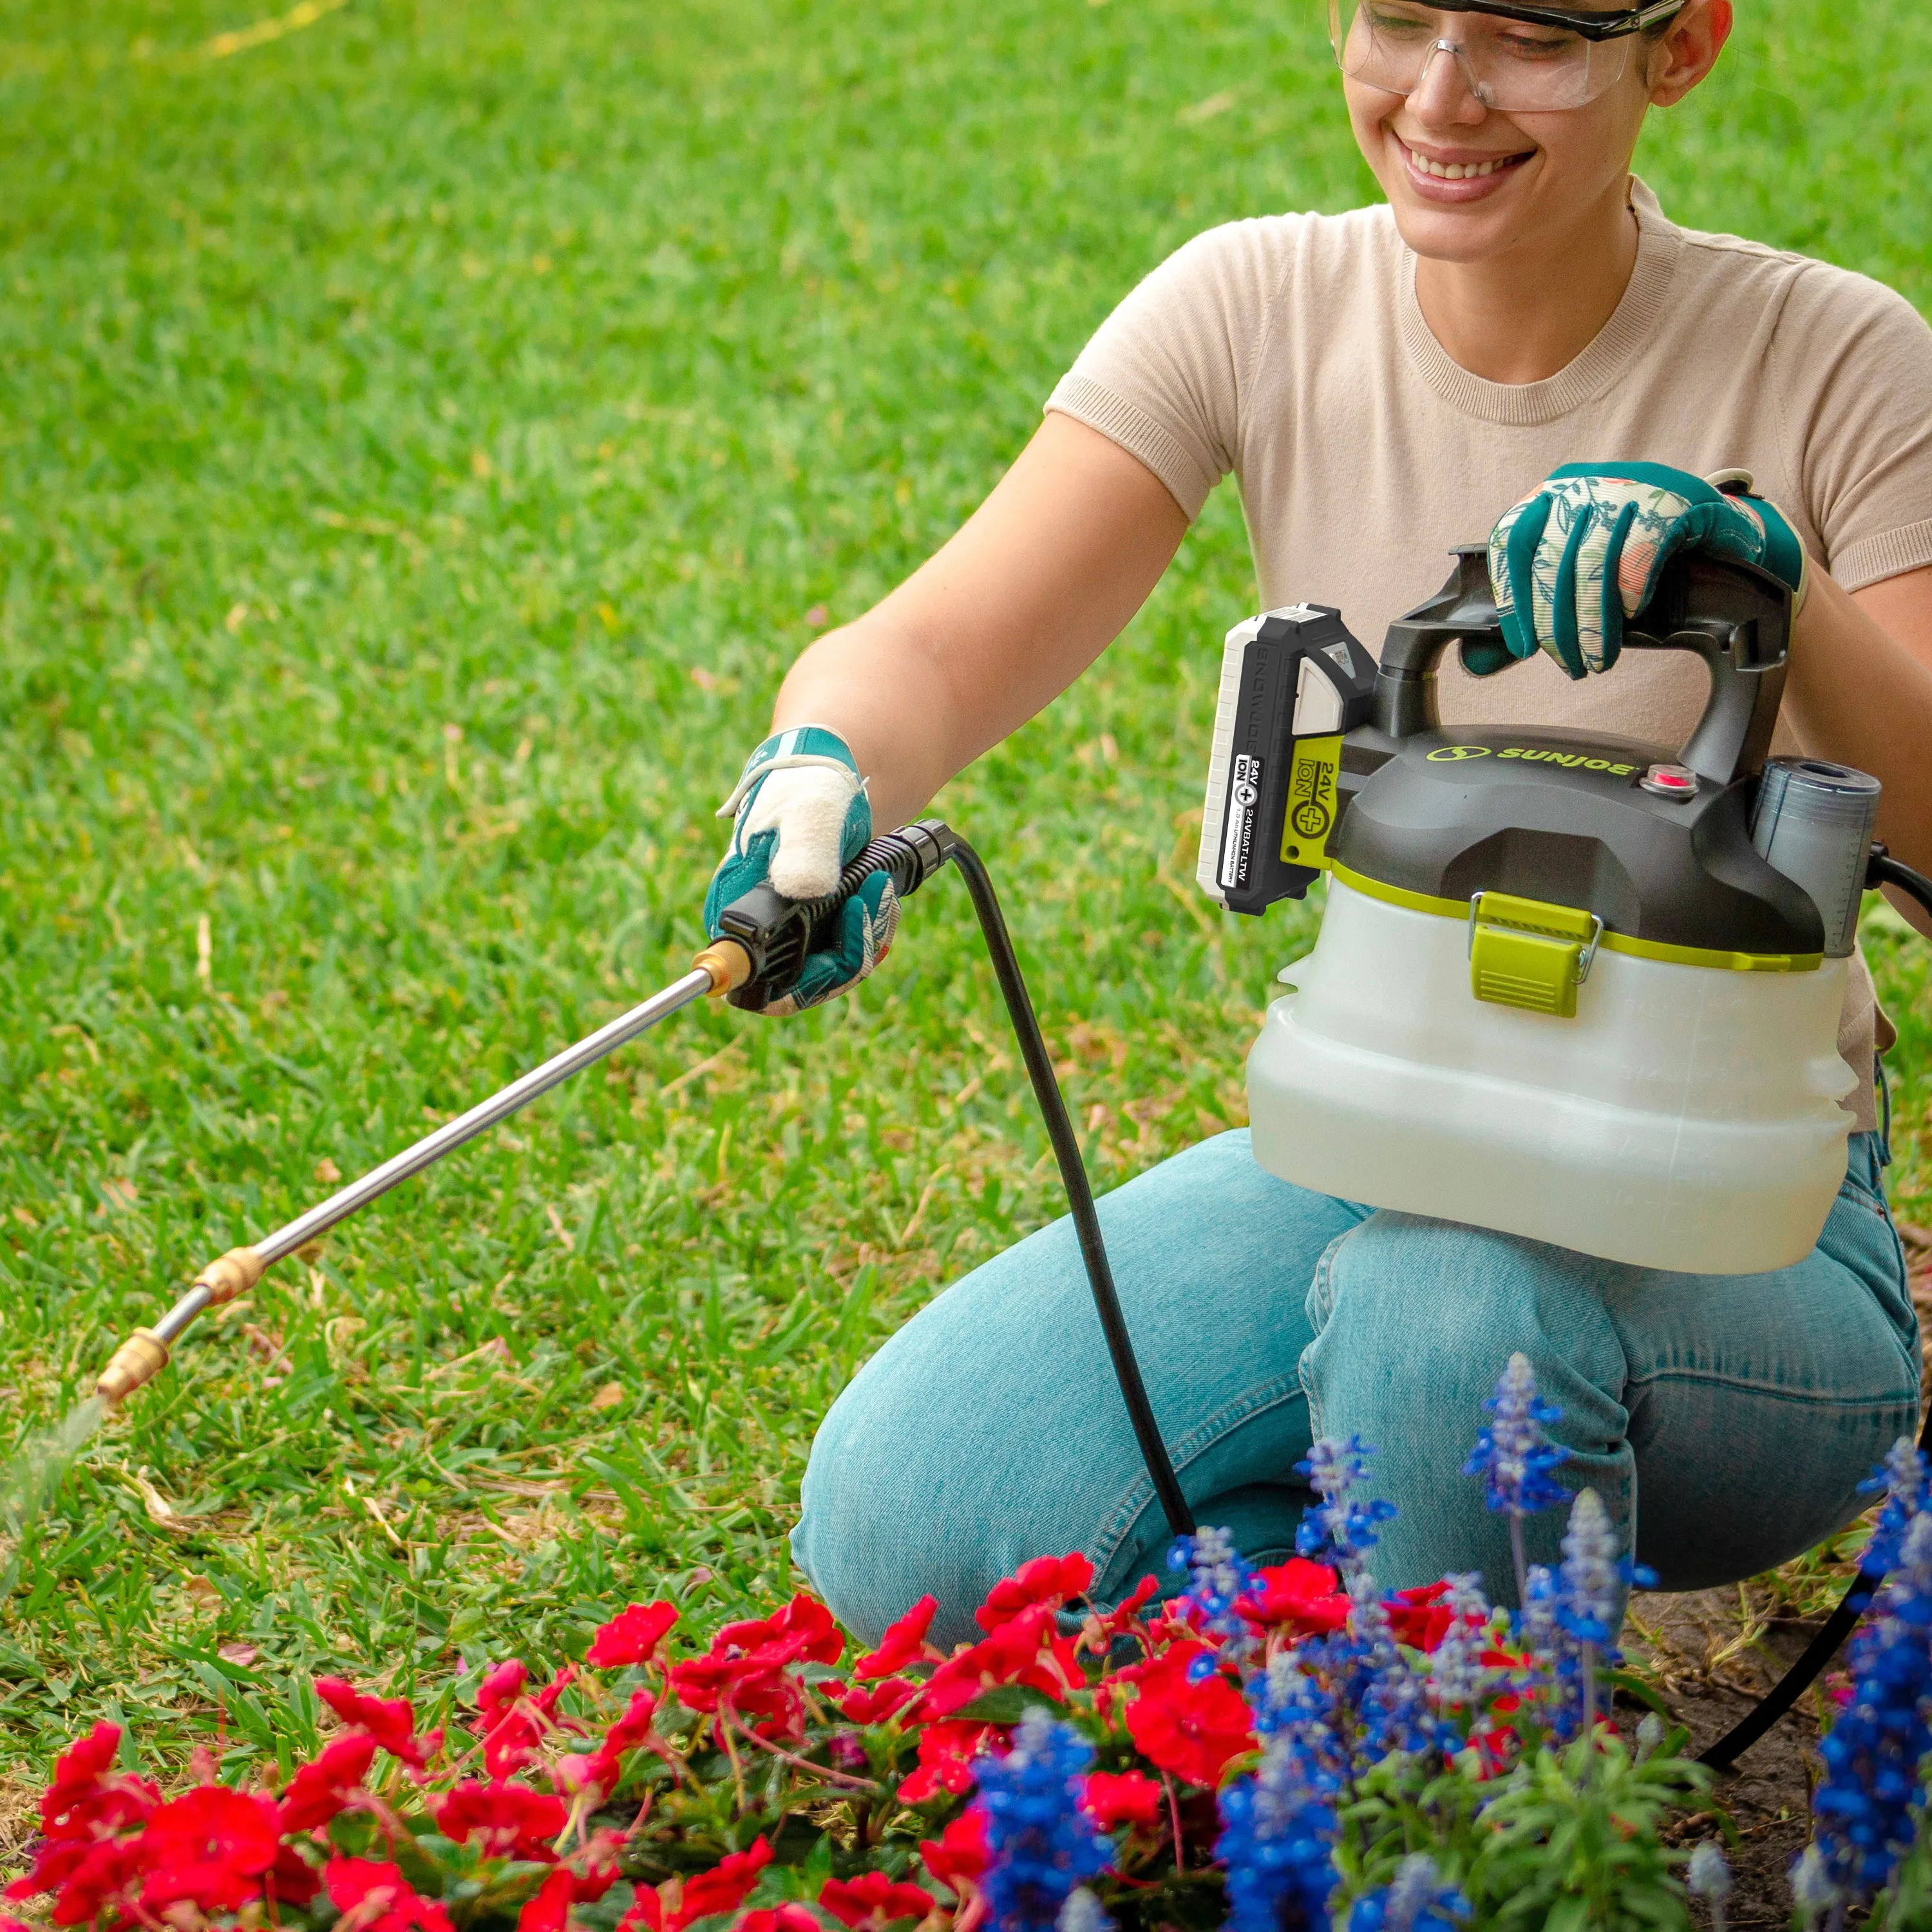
<point>1530,755</point>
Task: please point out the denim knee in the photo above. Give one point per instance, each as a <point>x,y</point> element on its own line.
<point>1415,1320</point>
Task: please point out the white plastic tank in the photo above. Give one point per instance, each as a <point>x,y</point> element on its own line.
<point>1686,1118</point>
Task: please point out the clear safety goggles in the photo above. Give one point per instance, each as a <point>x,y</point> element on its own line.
<point>1517,60</point>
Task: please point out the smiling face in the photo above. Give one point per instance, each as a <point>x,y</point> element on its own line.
<point>1468,183</point>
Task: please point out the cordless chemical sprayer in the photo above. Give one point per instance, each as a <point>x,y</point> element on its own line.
<point>1576,988</point>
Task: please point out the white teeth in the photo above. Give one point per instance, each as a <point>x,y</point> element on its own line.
<point>1451,170</point>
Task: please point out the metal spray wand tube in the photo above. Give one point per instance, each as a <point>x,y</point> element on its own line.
<point>145,1354</point>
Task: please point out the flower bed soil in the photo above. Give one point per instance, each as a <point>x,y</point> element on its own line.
<point>1711,1666</point>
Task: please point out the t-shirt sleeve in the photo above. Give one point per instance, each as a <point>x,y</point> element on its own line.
<point>1857,390</point>
<point>1165,375</point>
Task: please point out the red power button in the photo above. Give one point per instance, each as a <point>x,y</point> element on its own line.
<point>1670,781</point>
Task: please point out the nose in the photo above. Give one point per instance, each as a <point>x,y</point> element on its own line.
<point>1448,92</point>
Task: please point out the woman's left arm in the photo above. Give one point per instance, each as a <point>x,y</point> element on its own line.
<point>1859,692</point>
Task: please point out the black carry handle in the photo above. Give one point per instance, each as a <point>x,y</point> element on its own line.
<point>778,932</point>
<point>1734,616</point>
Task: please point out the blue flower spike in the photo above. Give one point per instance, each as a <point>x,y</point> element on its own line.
<point>1334,1530</point>
<point>1392,1700</point>
<point>1864,1808</point>
<point>1515,1458</point>
<point>1277,1843</point>
<point>1589,1586</point>
<point>1906,1480</point>
<point>1812,1891</point>
<point>1457,1676</point>
<point>1042,1847</point>
<point>1218,1578</point>
<point>1708,1877</point>
<point>1414,1901</point>
<point>1083,1912</point>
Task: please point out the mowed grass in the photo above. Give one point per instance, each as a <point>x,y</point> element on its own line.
<point>424,439</point>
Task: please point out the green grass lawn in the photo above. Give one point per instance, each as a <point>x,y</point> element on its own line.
<point>424,439</point>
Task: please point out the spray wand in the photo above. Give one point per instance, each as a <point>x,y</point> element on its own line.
<point>756,959</point>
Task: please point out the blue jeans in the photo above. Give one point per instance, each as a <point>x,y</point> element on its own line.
<point>1726,1420</point>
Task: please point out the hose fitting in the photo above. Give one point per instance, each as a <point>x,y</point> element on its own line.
<point>727,962</point>
<point>232,1274</point>
<point>138,1360</point>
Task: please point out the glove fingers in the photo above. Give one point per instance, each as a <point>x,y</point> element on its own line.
<point>810,809</point>
<point>743,866</point>
<point>1565,641</point>
<point>860,938</point>
<point>1610,589</point>
<point>1515,584</point>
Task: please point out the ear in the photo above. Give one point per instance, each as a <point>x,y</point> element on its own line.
<point>1687,49</point>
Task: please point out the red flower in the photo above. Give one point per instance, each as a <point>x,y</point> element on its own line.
<point>515,1725</point>
<point>803,1631</point>
<point>373,1896</point>
<point>634,1727</point>
<point>772,1918</point>
<point>87,1798</point>
<point>744,1687</point>
<point>1307,1597</point>
<point>87,1876</point>
<point>327,1785</point>
<point>646,1913</point>
<point>1190,1729</point>
<point>497,1694</point>
<point>1046,1580</point>
<point>1026,1650</point>
<point>1126,1612</point>
<point>632,1636</point>
<point>507,1820</point>
<point>604,1767</point>
<point>873,1704</point>
<point>903,1643</point>
<point>389,1720</point>
<point>547,1909</point>
<point>873,1901</point>
<point>243,1832</point>
<point>724,1888</point>
<point>210,1849</point>
<point>291,1879</point>
<point>1121,1798</point>
<point>589,1875</point>
<point>945,1754</point>
<point>745,1670</point>
<point>1418,1617</point>
<point>957,1856</point>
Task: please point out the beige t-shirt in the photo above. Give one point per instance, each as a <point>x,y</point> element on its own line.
<point>1291,350</point>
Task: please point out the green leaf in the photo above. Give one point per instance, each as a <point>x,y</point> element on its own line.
<point>1008,1703</point>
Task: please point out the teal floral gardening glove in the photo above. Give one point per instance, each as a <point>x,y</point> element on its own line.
<point>1571,561</point>
<point>802,816</point>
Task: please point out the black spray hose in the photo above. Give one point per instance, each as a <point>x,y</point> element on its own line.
<point>1073,1178</point>
<point>1881,870</point>
<point>777,933</point>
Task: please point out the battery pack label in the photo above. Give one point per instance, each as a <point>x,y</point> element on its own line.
<point>1310,816</point>
<point>1237,829</point>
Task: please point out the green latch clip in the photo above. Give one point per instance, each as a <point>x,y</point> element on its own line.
<point>1528,953</point>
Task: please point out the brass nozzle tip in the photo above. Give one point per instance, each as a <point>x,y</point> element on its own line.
<point>138,1360</point>
<point>727,962</point>
<point>233,1274</point>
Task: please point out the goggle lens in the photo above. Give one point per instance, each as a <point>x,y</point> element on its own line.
<point>1515,66</point>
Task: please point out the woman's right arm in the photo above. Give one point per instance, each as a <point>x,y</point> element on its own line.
<point>1042,577</point>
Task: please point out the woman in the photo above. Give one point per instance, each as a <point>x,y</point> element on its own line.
<point>1384,384</point>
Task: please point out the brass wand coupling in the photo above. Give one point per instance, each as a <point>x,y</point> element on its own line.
<point>720,968</point>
